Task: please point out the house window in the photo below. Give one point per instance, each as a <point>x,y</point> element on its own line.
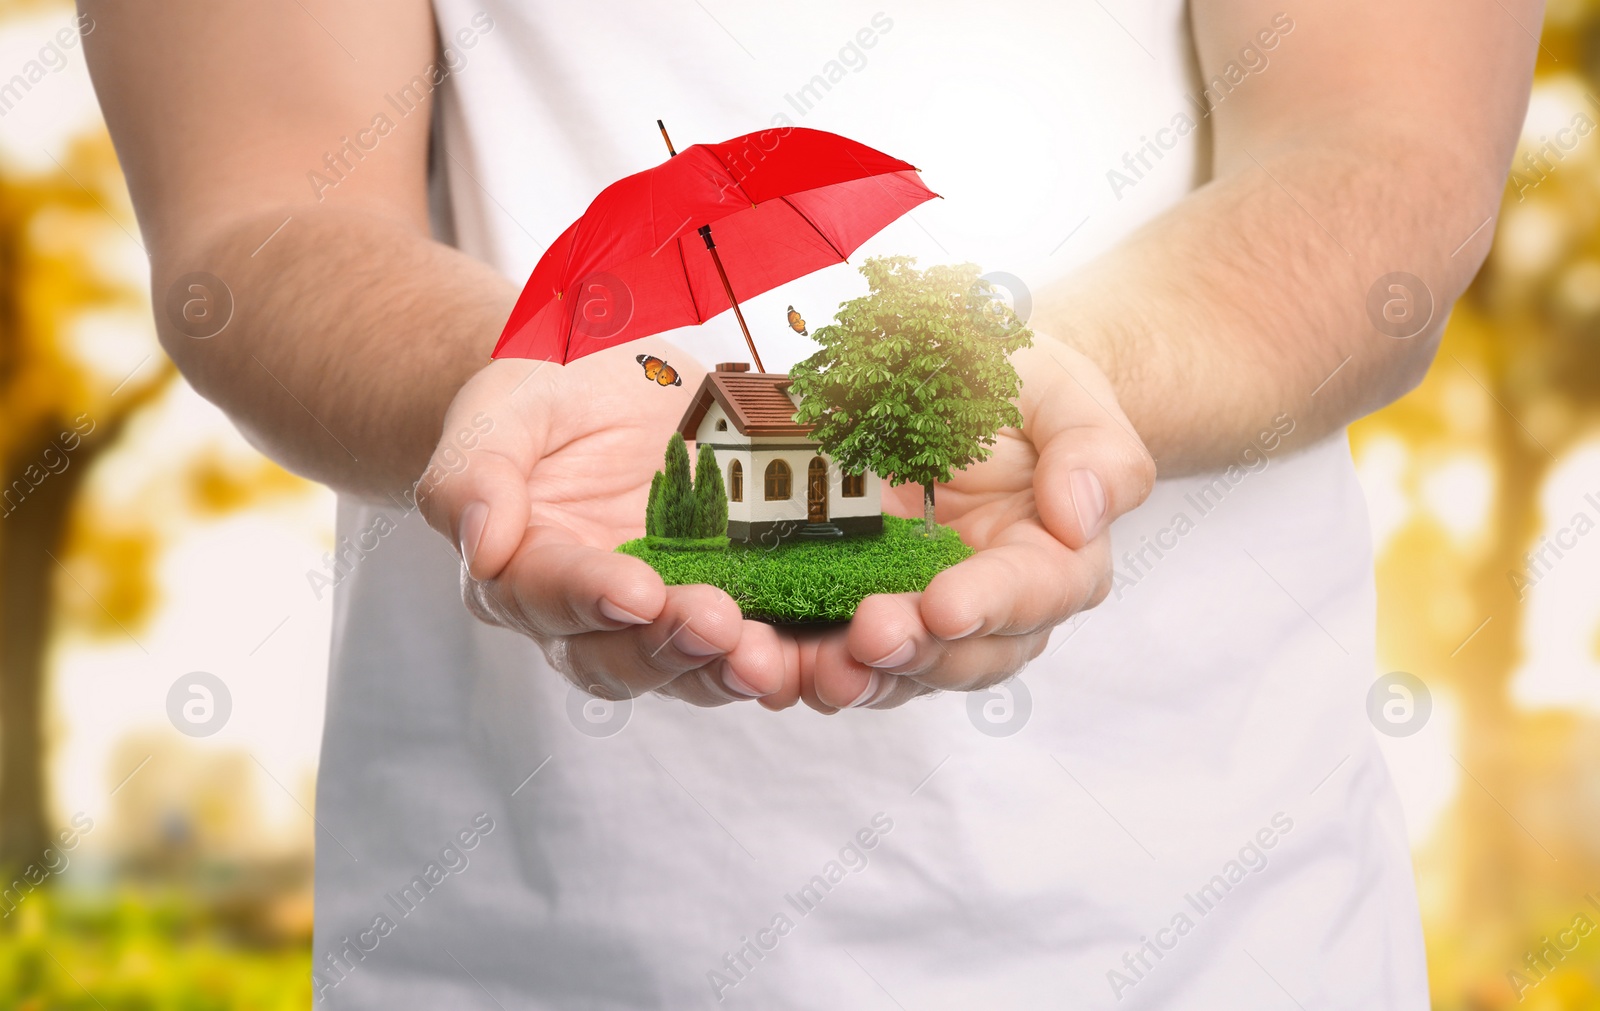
<point>722,424</point>
<point>735,482</point>
<point>855,486</point>
<point>777,481</point>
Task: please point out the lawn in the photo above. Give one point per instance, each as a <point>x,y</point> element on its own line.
<point>134,951</point>
<point>824,580</point>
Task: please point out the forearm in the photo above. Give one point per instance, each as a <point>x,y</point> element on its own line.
<point>1238,304</point>
<point>350,334</point>
<point>1369,138</point>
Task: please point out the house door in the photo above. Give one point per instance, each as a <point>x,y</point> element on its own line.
<point>817,491</point>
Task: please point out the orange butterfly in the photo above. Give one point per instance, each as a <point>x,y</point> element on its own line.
<point>798,323</point>
<point>660,371</point>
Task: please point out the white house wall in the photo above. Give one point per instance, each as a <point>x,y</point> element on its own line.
<point>729,445</point>
<point>737,511</point>
<point>791,508</point>
<point>870,504</point>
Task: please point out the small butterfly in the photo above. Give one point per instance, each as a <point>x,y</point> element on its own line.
<point>660,371</point>
<point>798,323</point>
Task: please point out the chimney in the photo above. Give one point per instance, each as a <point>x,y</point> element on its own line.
<point>733,366</point>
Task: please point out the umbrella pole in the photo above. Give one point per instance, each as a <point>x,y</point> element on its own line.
<point>705,233</point>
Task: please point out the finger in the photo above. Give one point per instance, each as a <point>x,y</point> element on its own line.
<point>965,665</point>
<point>758,667</point>
<point>556,586</point>
<point>839,681</point>
<point>1027,582</point>
<point>975,664</point>
<point>697,625</point>
<point>474,490</point>
<point>761,665</point>
<point>1092,466</point>
<point>480,502</point>
<point>700,687</point>
<point>798,650</point>
<point>888,633</point>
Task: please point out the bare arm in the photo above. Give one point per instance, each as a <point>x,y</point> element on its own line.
<point>1376,140</point>
<point>351,329</point>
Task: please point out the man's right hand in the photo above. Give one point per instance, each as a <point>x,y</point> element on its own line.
<point>557,477</point>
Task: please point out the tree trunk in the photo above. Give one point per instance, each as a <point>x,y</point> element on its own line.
<point>30,532</point>
<point>927,510</point>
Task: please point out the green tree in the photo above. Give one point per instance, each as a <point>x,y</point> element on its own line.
<point>710,497</point>
<point>914,378</point>
<point>672,501</point>
<point>681,507</point>
<point>653,521</point>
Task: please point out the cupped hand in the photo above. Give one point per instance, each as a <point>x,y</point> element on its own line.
<point>1037,511</point>
<point>541,471</point>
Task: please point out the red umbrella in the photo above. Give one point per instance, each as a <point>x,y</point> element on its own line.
<point>642,260</point>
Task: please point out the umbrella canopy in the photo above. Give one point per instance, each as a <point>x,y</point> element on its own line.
<point>784,202</point>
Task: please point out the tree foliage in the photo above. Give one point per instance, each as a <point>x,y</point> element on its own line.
<point>683,507</point>
<point>62,411</point>
<point>710,497</point>
<point>653,523</point>
<point>914,378</point>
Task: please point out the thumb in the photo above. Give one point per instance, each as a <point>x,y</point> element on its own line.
<point>481,505</point>
<point>475,490</point>
<point>1092,465</point>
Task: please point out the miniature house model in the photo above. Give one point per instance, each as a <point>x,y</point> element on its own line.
<point>779,485</point>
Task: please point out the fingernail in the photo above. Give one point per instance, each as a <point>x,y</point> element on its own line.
<point>736,684</point>
<point>616,613</point>
<point>874,686</point>
<point>688,642</point>
<point>474,518</point>
<point>899,658</point>
<point>1089,498</point>
<point>966,631</point>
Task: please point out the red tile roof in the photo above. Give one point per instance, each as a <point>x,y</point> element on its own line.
<point>756,403</point>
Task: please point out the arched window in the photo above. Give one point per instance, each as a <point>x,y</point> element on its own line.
<point>722,424</point>
<point>854,486</point>
<point>777,481</point>
<point>735,482</point>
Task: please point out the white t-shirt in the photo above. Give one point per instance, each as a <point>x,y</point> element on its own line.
<point>1179,804</point>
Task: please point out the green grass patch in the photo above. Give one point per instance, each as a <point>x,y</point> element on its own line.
<point>819,580</point>
<point>685,543</point>
<point>126,950</point>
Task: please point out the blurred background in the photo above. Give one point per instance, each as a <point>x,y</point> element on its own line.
<point>159,723</point>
